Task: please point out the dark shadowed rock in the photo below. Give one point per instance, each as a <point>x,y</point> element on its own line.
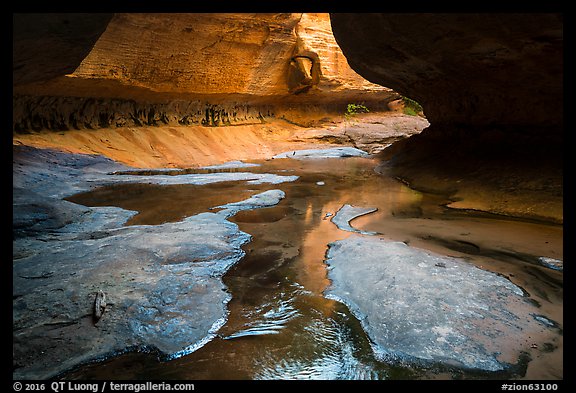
<point>474,69</point>
<point>491,86</point>
<point>50,45</point>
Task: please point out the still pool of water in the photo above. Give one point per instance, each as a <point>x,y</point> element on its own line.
<point>280,326</point>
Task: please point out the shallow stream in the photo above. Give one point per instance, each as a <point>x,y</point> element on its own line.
<point>280,326</point>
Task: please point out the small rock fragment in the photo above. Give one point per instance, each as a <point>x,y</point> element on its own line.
<point>551,263</point>
<point>99,306</point>
<point>347,213</point>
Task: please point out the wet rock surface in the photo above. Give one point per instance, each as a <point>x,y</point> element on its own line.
<point>264,199</point>
<point>551,263</point>
<point>280,325</point>
<point>162,282</point>
<point>508,171</point>
<point>333,152</point>
<point>347,213</point>
<point>420,307</point>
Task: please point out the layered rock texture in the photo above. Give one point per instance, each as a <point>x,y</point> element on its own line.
<point>181,90</point>
<point>180,69</point>
<point>491,87</point>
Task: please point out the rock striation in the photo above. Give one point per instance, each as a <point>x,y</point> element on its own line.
<point>182,69</point>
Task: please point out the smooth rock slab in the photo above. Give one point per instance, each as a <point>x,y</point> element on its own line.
<point>551,263</point>
<point>232,165</point>
<point>264,199</point>
<point>371,132</point>
<point>162,282</point>
<point>347,213</point>
<point>420,307</point>
<point>336,152</point>
<point>204,178</point>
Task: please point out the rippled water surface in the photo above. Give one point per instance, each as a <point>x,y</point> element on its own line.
<point>280,326</point>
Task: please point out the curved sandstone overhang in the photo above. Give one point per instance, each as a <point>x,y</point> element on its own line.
<point>470,69</point>
<point>202,62</point>
<point>47,46</point>
<point>491,87</point>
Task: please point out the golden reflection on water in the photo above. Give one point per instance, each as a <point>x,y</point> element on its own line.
<point>284,266</point>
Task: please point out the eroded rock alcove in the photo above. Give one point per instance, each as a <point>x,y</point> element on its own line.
<point>157,99</point>
<point>181,69</point>
<point>492,89</point>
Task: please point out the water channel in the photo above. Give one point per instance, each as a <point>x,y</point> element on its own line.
<point>280,325</point>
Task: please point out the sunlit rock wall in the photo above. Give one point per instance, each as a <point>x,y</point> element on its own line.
<point>209,69</point>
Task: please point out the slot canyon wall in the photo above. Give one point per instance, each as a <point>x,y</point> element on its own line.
<point>470,69</point>
<point>92,71</point>
<point>183,90</point>
<point>492,88</point>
